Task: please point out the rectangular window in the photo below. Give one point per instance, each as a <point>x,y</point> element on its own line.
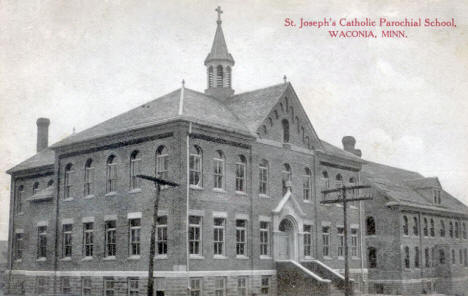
<point>160,286</point>
<point>88,239</point>
<point>89,181</point>
<point>218,235</point>
<point>19,245</point>
<point>240,176</point>
<point>109,287</point>
<point>112,177</point>
<point>354,242</point>
<point>162,165</point>
<point>68,184</point>
<point>241,237</point>
<point>41,285</point>
<point>111,239</point>
<point>162,235</point>
<point>427,261</point>
<point>264,238</point>
<point>307,240</point>
<point>19,200</point>
<point>416,257</point>
<point>195,238</point>
<point>265,288</point>
<point>220,286</point>
<point>67,240</point>
<point>86,288</point>
<point>135,169</point>
<point>326,241</point>
<point>42,242</point>
<point>340,233</point>
<point>306,187</point>
<point>133,287</point>
<point>66,285</point>
<point>195,169</point>
<point>218,173</point>
<point>134,239</point>
<point>242,286</point>
<point>195,287</point>
<point>263,180</point>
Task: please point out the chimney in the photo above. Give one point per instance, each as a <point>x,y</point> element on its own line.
<point>348,145</point>
<point>42,133</point>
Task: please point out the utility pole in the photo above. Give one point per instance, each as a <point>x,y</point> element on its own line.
<point>157,184</point>
<point>342,199</point>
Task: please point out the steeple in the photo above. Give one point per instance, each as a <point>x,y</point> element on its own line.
<point>219,63</point>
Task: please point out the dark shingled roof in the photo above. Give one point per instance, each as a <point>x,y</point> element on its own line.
<point>44,158</point>
<point>333,150</point>
<point>398,186</point>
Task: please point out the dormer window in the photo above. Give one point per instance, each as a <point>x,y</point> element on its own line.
<point>436,195</point>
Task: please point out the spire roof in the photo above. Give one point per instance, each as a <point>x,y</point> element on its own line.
<point>219,49</point>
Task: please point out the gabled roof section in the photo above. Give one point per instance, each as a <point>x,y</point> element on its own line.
<point>288,197</point>
<point>394,183</point>
<point>423,183</point>
<point>42,159</point>
<point>253,107</point>
<point>195,106</point>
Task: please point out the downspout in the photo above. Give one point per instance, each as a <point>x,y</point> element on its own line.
<point>251,220</point>
<point>56,226</point>
<point>361,230</point>
<point>11,227</point>
<point>421,265</point>
<point>316,206</point>
<point>187,206</point>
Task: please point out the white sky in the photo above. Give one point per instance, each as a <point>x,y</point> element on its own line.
<point>81,62</point>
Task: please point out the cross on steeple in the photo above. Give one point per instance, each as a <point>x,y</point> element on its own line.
<point>219,11</point>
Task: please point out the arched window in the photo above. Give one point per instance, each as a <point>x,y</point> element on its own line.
<point>457,230</point>
<point>276,114</point>
<point>263,177</point>
<point>35,189</point>
<point>19,199</point>
<point>292,114</point>
<point>50,183</point>
<point>111,173</point>
<point>306,188</point>
<point>67,181</point>
<point>371,257</point>
<point>416,257</point>
<point>298,125</point>
<point>210,77</point>
<point>441,256</point>
<point>407,257</point>
<point>338,180</point>
<point>425,229</point>
<point>427,260</point>
<point>460,256</point>
<point>453,257</point>
<point>354,192</point>
<point>285,124</point>
<point>228,76</point>
<point>270,121</point>
<point>195,166</point>
<point>218,170</point>
<point>240,173</point>
<point>442,228</point>
<point>432,230</point>
<point>286,104</point>
<point>281,107</point>
<point>451,229</point>
<point>415,226</point>
<point>286,177</point>
<point>219,76</point>
<point>89,178</point>
<point>135,169</point>
<point>162,162</point>
<point>405,225</point>
<point>464,231</point>
<point>370,225</point>
<point>325,180</point>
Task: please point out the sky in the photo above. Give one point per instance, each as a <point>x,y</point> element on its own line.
<point>82,62</point>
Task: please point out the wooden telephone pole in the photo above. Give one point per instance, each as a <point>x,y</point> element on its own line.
<point>157,184</point>
<point>342,199</point>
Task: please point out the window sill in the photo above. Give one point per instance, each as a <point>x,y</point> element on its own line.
<point>109,258</point>
<point>196,257</point>
<point>89,196</point>
<point>219,257</point>
<point>327,258</point>
<point>265,257</point>
<point>261,195</point>
<point>219,190</point>
<point>88,258</point>
<point>355,257</point>
<point>340,258</point>
<point>161,257</point>
<point>243,193</point>
<point>353,207</point>
<point>66,259</point>
<point>307,201</point>
<point>111,193</point>
<point>18,260</point>
<point>42,259</point>
<point>68,199</point>
<point>19,214</point>
<point>308,258</point>
<point>339,205</point>
<point>242,257</point>
<point>196,187</point>
<point>134,257</point>
<point>134,190</point>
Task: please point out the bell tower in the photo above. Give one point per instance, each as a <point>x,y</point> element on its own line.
<point>219,63</point>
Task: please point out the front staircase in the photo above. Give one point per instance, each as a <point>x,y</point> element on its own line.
<point>308,278</point>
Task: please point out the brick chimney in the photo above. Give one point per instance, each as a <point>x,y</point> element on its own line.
<point>42,133</point>
<point>348,145</point>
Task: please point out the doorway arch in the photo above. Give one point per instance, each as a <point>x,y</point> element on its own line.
<point>287,239</point>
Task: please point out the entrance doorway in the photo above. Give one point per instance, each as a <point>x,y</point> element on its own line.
<point>286,240</point>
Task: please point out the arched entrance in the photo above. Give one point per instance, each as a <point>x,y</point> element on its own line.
<point>286,240</point>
